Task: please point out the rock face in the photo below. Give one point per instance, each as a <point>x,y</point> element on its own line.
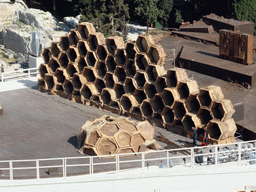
<point>16,36</point>
<point>109,135</point>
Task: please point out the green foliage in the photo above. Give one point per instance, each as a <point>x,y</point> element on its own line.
<point>178,16</point>
<point>148,11</point>
<point>245,10</point>
<point>107,16</point>
<point>166,6</point>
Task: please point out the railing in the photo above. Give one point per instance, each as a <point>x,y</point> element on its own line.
<point>243,153</point>
<point>27,73</point>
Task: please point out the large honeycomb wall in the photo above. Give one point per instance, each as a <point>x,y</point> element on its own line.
<point>129,79</point>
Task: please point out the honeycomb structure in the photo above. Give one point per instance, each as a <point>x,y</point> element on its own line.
<point>109,135</point>
<point>129,79</point>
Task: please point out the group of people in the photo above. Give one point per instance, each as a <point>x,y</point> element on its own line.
<point>195,135</point>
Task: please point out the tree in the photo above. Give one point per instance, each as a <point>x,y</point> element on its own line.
<point>148,11</point>
<point>166,6</point>
<point>108,16</point>
<point>178,16</point>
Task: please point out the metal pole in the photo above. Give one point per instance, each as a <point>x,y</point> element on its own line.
<point>168,159</point>
<point>192,157</point>
<point>11,170</point>
<point>37,170</point>
<point>91,165</point>
<point>239,153</point>
<point>117,163</point>
<point>143,160</point>
<point>216,155</point>
<point>64,167</point>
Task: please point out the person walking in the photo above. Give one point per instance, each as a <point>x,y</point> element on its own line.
<point>194,131</point>
<point>206,133</point>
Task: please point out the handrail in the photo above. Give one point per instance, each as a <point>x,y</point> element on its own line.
<point>20,73</point>
<point>232,153</point>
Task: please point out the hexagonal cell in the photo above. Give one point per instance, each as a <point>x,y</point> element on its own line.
<point>185,88</point>
<point>41,84</point>
<point>169,96</point>
<point>81,64</point>
<point>63,60</point>
<point>215,129</point>
<point>167,115</point>
<point>49,82</point>
<point>157,54</point>
<point>64,43</point>
<point>101,69</point>
<point>119,75</point>
<point>95,39</point>
<point>91,58</point>
<point>108,79</point>
<point>123,139</point>
<point>55,49</point>
<point>158,120</point>
<point>71,70</point>
<point>130,68</point>
<point>136,141</point>
<point>101,52</point>
<point>129,85</point>
<point>179,109</point>
<point>160,84</point>
<point>119,89</point>
<point>150,90</point>
<point>106,146</point>
<point>128,101</point>
<point>157,104</point>
<point>90,150</point>
<point>175,75</point>
<point>107,95</point>
<point>46,55</point>
<point>72,54</point>
<point>154,71</point>
<point>109,128</point>
<point>142,61</point>
<point>59,88</point>
<point>68,87</point>
<point>204,115</point>
<point>88,90</point>
<point>78,81</point>
<point>206,95</point>
<point>42,70</point>
<point>222,109</point>
<point>53,65</point>
<point>120,57</point>
<point>95,101</point>
<point>115,107</point>
<point>136,113</point>
<point>113,43</point>
<point>90,74</point>
<point>143,42</point>
<point>140,79</point>
<point>99,84</point>
<point>82,47</point>
<point>60,75</point>
<point>127,126</point>
<point>130,50</point>
<point>92,137</point>
<point>73,37</point>
<point>76,96</point>
<point>146,109</point>
<point>85,29</point>
<point>139,95</point>
<point>192,103</point>
<point>190,120</point>
<point>110,63</point>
